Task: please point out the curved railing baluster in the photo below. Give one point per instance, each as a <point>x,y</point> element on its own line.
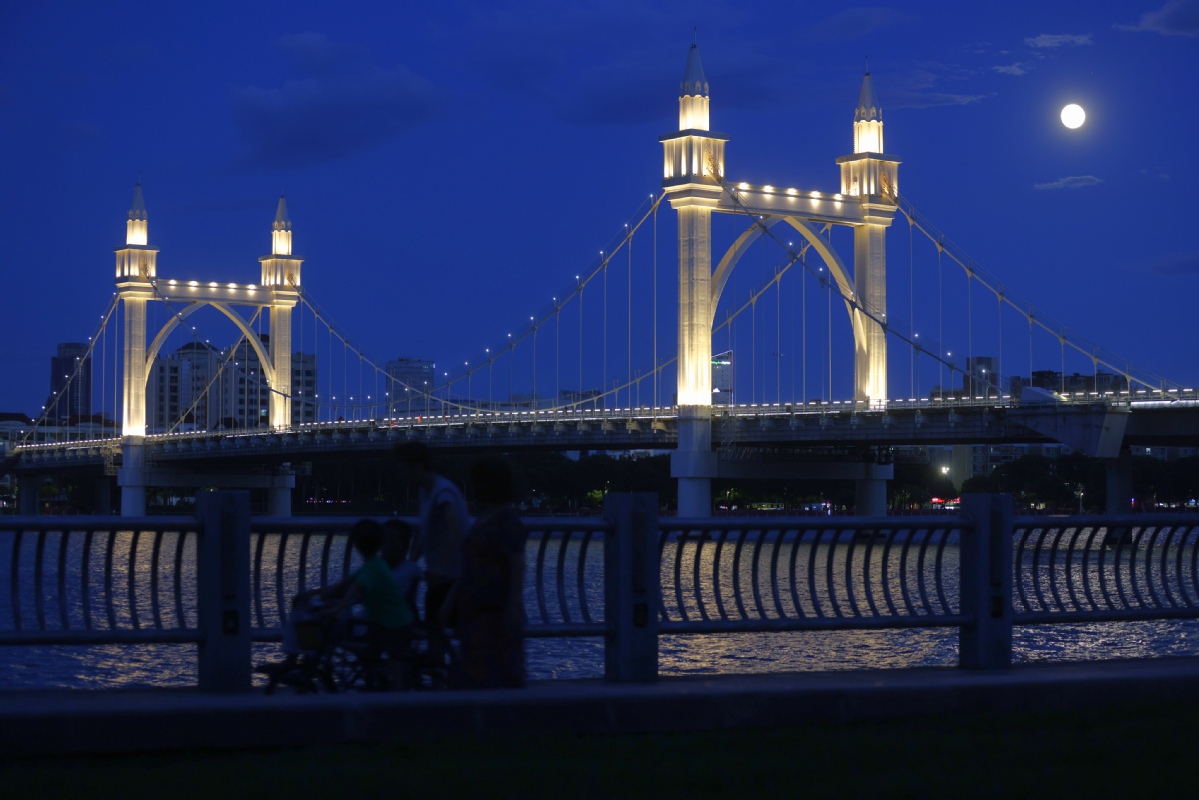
<point>817,606</point>
<point>131,584</point>
<point>695,575</point>
<point>904,590</point>
<point>939,568</point>
<point>1191,531</point>
<point>563,610</point>
<point>542,607</point>
<point>867,583</point>
<point>681,540</point>
<point>85,572</point>
<point>39,596</point>
<point>180,542</point>
<point>888,592</point>
<point>774,574</point>
<point>1135,562</point>
<point>61,570</point>
<point>754,572</point>
<point>851,599</point>
<point>1036,569</point>
<point>256,577</point>
<point>1087,558</point>
<point>580,573</point>
<point>735,573</point>
<point>1018,561</point>
<point>108,587</point>
<point>921,567</point>
<point>791,562</point>
<point>154,608</point>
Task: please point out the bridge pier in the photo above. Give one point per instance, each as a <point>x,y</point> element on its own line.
<point>1118,472</point>
<point>694,464</point>
<point>102,496</point>
<point>29,495</point>
<point>870,491</point>
<point>278,501</point>
<point>132,476</point>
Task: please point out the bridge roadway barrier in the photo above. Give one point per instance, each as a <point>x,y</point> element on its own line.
<point>222,579</point>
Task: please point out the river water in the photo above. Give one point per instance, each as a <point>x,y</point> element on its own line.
<point>116,666</point>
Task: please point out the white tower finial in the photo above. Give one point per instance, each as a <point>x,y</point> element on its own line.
<point>135,227</point>
<point>281,231</point>
<point>867,120</point>
<point>693,94</point>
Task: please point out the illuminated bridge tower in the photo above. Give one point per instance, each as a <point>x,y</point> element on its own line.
<point>137,283</point>
<point>692,171</point>
<point>693,179</point>
<point>870,176</point>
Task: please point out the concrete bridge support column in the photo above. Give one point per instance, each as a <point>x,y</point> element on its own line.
<point>1118,472</point>
<point>29,495</point>
<point>102,496</point>
<point>693,463</point>
<point>132,476</point>
<point>279,493</point>
<point>870,491</point>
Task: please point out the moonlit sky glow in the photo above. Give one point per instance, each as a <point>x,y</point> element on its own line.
<point>449,167</point>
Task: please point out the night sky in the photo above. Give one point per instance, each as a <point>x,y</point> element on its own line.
<point>449,167</point>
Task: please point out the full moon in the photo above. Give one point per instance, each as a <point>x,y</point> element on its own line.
<point>1073,116</point>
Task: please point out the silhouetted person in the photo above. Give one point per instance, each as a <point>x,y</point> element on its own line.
<point>443,521</point>
<point>487,602</point>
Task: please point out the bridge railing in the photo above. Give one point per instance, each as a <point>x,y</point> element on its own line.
<point>222,580</point>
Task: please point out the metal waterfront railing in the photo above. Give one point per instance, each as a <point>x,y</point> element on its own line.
<point>807,573</point>
<point>1097,568</point>
<point>222,579</point>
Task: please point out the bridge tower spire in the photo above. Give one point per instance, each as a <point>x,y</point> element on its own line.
<point>871,176</point>
<point>693,166</point>
<point>281,275</point>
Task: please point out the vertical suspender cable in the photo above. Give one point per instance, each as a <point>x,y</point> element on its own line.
<point>655,314</point>
<point>629,377</point>
<point>912,303</point>
<point>941,320</point>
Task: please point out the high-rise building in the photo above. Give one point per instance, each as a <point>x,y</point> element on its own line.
<point>178,393</point>
<point>70,383</point>
<point>409,382</point>
<point>722,378</point>
<point>246,395</point>
<point>198,387</point>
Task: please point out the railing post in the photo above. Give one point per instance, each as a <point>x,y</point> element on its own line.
<point>986,582</point>
<point>631,587</point>
<point>223,590</point>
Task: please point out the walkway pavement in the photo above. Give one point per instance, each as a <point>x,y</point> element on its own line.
<point>58,722</point>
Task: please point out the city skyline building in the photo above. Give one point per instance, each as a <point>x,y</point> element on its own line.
<point>70,382</point>
<point>409,380</point>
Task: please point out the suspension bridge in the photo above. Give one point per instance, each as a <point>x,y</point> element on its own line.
<point>781,358</point>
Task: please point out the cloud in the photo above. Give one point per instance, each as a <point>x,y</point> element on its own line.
<point>1072,182</point>
<point>1052,40</point>
<point>340,106</point>
<point>1174,264</point>
<point>1175,18</point>
<point>1155,173</point>
<point>1011,69</point>
<point>853,23</point>
<point>924,88</point>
